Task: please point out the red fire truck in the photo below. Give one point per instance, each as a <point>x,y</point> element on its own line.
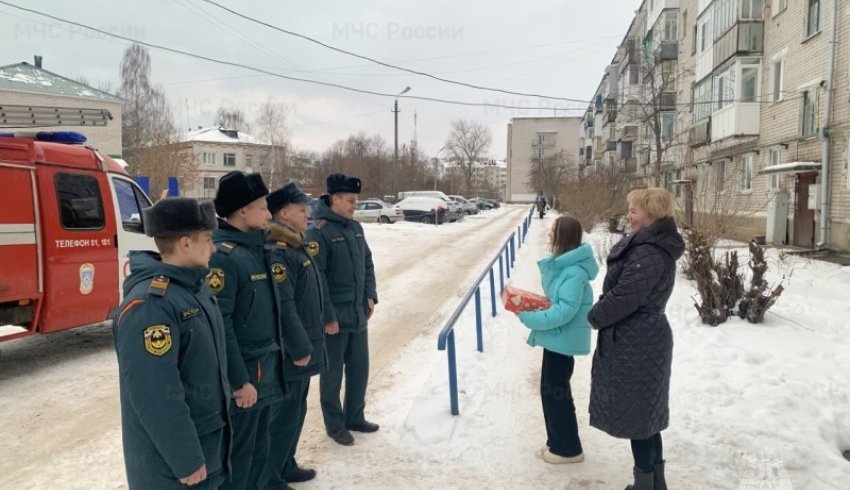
<point>69,216</point>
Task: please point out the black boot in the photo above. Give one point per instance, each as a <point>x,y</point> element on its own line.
<point>660,483</point>
<point>643,481</point>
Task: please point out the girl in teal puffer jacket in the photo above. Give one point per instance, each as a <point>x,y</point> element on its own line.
<point>563,331</point>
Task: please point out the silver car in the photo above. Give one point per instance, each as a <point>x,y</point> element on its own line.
<point>377,211</point>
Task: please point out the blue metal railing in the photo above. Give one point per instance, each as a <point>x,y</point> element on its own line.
<point>446,340</point>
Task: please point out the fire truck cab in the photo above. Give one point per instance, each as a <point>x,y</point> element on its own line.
<point>69,216</point>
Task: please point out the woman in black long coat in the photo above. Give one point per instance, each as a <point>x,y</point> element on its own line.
<point>630,385</point>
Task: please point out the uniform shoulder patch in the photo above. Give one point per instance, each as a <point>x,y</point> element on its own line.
<point>320,224</point>
<point>157,339</point>
<point>306,263</point>
<point>226,247</point>
<point>313,248</point>
<point>159,286</point>
<point>215,279</point>
<point>279,272</point>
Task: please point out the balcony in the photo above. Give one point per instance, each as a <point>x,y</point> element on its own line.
<point>745,37</point>
<point>700,133</point>
<point>546,142</point>
<point>610,145</point>
<point>625,150</point>
<point>738,119</point>
<point>629,132</point>
<point>668,51</point>
<point>610,117</point>
<point>667,101</point>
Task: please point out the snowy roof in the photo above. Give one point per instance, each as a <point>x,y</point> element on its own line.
<point>222,135</point>
<point>23,77</point>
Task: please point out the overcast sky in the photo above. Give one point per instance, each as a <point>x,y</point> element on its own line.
<point>554,48</point>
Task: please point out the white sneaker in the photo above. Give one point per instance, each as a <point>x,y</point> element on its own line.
<point>552,458</point>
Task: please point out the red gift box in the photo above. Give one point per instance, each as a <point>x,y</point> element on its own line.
<point>515,300</point>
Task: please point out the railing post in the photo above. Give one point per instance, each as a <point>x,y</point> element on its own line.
<point>492,291</point>
<point>513,250</point>
<point>501,274</point>
<point>508,260</point>
<point>453,374</point>
<point>519,234</point>
<point>478,321</point>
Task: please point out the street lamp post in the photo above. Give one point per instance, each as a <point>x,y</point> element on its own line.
<point>436,164</point>
<point>395,152</point>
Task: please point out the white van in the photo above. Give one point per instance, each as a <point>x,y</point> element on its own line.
<point>456,213</point>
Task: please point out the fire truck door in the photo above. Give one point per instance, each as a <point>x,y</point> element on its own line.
<point>79,241</point>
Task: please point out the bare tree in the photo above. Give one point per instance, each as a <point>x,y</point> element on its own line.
<point>468,142</point>
<point>271,127</point>
<point>550,174</point>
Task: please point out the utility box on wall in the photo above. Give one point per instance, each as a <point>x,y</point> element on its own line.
<point>777,219</point>
<point>814,197</point>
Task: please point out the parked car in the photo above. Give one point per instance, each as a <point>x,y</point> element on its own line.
<point>424,209</point>
<point>494,203</point>
<point>481,203</point>
<point>468,207</point>
<point>455,212</point>
<point>377,211</point>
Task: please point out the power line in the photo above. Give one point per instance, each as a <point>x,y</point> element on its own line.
<point>385,64</point>
<point>278,75</point>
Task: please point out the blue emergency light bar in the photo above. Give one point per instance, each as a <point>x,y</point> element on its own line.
<point>64,137</point>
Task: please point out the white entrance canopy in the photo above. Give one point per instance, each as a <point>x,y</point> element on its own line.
<point>792,168</point>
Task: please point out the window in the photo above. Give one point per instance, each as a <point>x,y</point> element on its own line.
<point>540,153</point>
<point>704,28</point>
<point>671,26</point>
<point>747,172</point>
<point>679,185</point>
<point>131,202</point>
<point>721,175</point>
<point>778,79</point>
<point>749,83</point>
<point>208,158</point>
<point>779,6</point>
<point>809,125</point>
<point>230,159</point>
<point>668,126</point>
<point>702,100</point>
<point>209,183</point>
<point>813,21</point>
<point>724,83</point>
<point>249,163</point>
<point>80,202</point>
<point>774,158</point>
<point>752,9</point>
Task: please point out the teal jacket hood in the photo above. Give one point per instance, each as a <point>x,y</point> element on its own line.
<point>144,266</point>
<point>581,256</point>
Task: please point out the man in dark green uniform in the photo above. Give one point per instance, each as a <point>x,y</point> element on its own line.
<point>339,248</point>
<point>242,277</point>
<point>301,296</point>
<point>172,364</point>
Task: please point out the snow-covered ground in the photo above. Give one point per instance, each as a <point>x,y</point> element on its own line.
<point>753,406</point>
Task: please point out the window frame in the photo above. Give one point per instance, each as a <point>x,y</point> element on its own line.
<point>809,94</point>
<point>745,172</point>
<point>773,179</point>
<point>57,186</point>
<point>720,175</point>
<point>819,26</point>
<point>229,157</point>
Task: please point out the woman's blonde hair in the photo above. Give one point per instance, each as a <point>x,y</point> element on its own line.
<point>657,202</point>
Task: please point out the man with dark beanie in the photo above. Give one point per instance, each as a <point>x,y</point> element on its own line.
<point>172,365</point>
<point>338,246</point>
<point>242,278</point>
<point>301,297</point>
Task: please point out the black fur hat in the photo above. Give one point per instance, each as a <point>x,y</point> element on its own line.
<point>289,193</point>
<point>179,215</point>
<point>236,190</point>
<point>340,183</point>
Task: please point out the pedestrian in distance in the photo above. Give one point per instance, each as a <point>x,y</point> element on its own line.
<point>243,278</point>
<point>562,330</point>
<point>172,364</point>
<point>338,246</point>
<point>301,307</point>
<point>630,377</point>
<point>540,202</point>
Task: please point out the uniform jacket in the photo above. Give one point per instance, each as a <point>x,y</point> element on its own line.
<point>563,327</point>
<point>630,378</point>
<point>169,337</point>
<point>301,302</point>
<point>244,279</point>
<point>342,255</point>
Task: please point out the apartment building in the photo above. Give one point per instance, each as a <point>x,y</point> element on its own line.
<point>753,111</point>
<point>532,142</point>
